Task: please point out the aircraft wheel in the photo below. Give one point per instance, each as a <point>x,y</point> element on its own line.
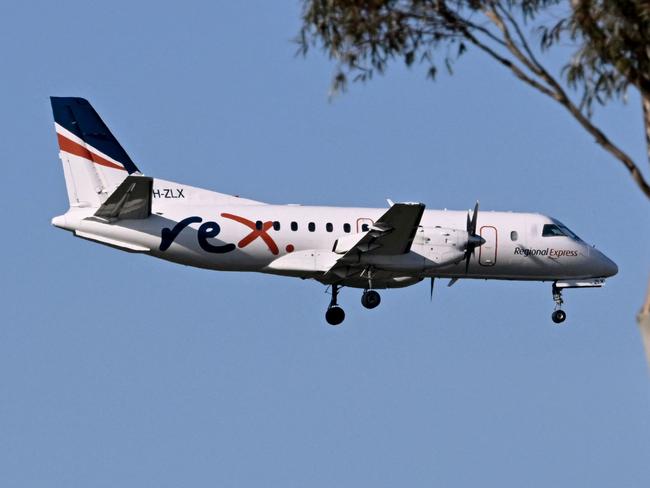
<point>559,316</point>
<point>334,315</point>
<point>370,299</point>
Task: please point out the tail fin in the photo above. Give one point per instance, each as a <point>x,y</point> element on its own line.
<point>94,163</point>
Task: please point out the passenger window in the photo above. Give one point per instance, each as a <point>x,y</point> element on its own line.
<point>259,225</point>
<point>276,225</point>
<point>294,226</point>
<point>364,227</point>
<point>329,227</point>
<point>311,227</point>
<point>346,228</point>
<point>514,236</point>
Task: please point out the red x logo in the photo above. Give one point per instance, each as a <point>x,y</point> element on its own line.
<point>255,232</point>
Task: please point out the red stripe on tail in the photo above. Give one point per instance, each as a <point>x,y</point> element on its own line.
<point>78,150</point>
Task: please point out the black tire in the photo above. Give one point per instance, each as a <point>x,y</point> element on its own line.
<point>334,315</point>
<point>558,316</point>
<point>370,299</point>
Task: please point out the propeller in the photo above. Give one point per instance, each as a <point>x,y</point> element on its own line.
<point>473,240</point>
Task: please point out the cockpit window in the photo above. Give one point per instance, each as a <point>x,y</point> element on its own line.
<point>554,230</point>
<point>551,230</point>
<point>569,232</point>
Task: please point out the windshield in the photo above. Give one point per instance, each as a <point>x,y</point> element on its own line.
<point>558,229</point>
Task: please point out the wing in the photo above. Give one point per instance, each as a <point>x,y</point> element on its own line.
<point>391,235</point>
<point>131,200</point>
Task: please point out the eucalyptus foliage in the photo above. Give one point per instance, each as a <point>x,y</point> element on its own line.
<point>609,40</point>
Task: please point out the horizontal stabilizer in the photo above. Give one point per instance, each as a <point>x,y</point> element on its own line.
<point>131,200</point>
<point>124,246</point>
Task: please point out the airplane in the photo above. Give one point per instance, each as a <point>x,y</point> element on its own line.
<point>112,202</point>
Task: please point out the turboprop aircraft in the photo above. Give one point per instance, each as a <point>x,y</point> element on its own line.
<point>111,202</point>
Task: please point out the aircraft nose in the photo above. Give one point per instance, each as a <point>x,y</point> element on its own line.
<point>606,266</point>
<point>612,268</point>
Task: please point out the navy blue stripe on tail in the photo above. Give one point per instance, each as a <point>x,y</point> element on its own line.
<point>79,117</point>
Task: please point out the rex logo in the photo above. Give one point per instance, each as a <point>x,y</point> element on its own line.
<point>212,229</point>
<point>205,231</point>
<point>256,231</point>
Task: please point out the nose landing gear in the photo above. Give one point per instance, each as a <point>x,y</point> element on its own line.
<point>559,315</point>
<point>335,314</point>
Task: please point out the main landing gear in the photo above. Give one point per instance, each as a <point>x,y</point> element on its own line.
<point>559,315</point>
<point>335,314</point>
<point>370,299</point>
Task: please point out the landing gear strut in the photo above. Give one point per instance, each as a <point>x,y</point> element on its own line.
<point>335,314</point>
<point>559,315</point>
<point>370,299</point>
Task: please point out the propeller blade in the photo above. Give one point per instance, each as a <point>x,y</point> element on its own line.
<point>431,290</point>
<point>474,218</point>
<point>473,241</point>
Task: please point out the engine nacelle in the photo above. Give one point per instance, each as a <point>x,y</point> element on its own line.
<point>440,246</point>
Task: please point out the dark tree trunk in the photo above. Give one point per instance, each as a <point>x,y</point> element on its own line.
<point>644,315</point>
<point>644,324</point>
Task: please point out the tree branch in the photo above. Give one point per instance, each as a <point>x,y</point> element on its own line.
<point>558,94</point>
<point>645,101</point>
<point>462,26</point>
<point>522,39</point>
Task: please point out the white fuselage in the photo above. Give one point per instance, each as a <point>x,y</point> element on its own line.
<point>210,230</point>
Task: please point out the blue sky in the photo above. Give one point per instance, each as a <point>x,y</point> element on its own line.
<point>121,370</point>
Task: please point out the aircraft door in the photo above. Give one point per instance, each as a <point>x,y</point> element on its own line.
<point>364,225</point>
<point>487,253</point>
